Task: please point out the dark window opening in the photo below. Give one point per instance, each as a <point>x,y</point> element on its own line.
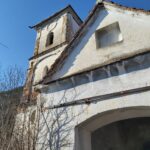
<point>146,146</point>
<point>130,134</point>
<point>50,39</point>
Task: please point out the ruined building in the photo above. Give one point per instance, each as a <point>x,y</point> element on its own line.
<point>94,77</point>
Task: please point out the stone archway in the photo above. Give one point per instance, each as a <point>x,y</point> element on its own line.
<point>91,128</point>
<point>129,134</point>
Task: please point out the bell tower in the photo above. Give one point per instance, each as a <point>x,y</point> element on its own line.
<point>53,35</point>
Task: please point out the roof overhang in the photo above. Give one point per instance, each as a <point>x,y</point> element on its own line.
<point>68,9</point>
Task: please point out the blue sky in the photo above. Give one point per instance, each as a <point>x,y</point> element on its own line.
<point>17,40</point>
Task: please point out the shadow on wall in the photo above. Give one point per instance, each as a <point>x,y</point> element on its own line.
<point>80,43</point>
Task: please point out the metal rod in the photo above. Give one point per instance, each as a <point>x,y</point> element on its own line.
<point>90,100</point>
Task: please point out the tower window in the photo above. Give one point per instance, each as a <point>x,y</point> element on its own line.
<point>50,39</point>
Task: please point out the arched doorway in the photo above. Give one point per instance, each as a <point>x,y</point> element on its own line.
<point>129,134</point>
<point>118,129</point>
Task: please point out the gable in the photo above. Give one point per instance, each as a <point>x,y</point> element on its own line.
<point>85,55</point>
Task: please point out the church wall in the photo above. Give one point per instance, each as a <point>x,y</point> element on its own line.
<point>83,120</point>
<point>121,76</point>
<point>45,61</point>
<point>126,106</point>
<point>85,102</point>
<point>134,30</point>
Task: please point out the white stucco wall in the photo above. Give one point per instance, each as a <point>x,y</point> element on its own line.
<point>135,32</point>
<point>91,116</point>
<point>118,77</point>
<point>45,60</point>
<point>129,74</point>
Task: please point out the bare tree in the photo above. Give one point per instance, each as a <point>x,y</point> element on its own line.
<point>46,128</point>
<point>11,82</point>
<point>11,78</point>
<point>34,127</point>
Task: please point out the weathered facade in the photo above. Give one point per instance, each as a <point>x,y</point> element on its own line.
<point>53,35</point>
<point>93,78</point>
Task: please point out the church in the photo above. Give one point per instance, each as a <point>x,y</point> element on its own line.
<point>91,79</point>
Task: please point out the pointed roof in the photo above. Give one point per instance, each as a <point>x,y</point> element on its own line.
<point>61,60</point>
<point>66,9</point>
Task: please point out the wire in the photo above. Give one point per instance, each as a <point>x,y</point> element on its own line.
<point>3,45</point>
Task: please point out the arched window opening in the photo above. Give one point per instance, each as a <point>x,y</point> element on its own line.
<point>50,39</point>
<point>45,71</point>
